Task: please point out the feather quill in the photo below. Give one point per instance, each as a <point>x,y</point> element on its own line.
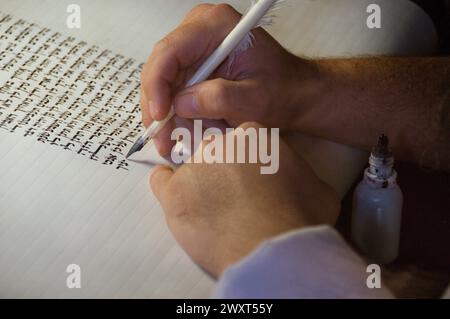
<point>261,13</point>
<point>249,40</point>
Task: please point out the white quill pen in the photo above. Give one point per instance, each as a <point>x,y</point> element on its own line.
<point>240,38</point>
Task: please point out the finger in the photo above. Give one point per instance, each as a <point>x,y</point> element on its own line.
<point>198,153</point>
<point>175,52</point>
<point>157,91</point>
<point>145,111</point>
<point>159,180</point>
<point>223,99</point>
<point>188,145</point>
<point>163,141</point>
<point>188,45</point>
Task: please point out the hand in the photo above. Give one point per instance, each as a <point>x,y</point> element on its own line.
<point>219,213</point>
<point>265,83</point>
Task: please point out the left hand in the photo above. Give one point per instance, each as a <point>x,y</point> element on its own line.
<point>219,213</point>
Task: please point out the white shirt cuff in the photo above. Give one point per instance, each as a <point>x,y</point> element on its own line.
<point>309,263</point>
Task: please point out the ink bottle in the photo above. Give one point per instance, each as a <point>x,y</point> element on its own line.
<point>377,207</point>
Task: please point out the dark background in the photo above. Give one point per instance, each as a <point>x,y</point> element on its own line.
<point>439,11</point>
<point>422,269</point>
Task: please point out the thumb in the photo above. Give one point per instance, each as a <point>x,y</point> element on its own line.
<point>159,180</point>
<point>222,99</point>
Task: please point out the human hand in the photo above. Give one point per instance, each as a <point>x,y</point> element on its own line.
<point>263,84</point>
<point>219,213</point>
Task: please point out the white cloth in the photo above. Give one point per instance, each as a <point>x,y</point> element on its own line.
<point>310,263</point>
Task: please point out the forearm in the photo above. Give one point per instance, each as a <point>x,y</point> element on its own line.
<point>406,98</point>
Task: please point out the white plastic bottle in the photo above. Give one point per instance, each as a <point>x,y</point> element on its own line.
<point>377,207</point>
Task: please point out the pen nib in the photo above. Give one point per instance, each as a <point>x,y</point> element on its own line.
<point>139,145</point>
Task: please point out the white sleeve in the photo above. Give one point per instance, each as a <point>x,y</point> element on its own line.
<point>447,294</point>
<point>310,263</point>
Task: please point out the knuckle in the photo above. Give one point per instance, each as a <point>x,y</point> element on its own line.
<point>219,90</point>
<point>162,45</point>
<point>218,95</point>
<point>225,13</point>
<point>223,9</point>
<point>199,8</point>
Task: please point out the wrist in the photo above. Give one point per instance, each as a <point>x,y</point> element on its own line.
<point>309,92</point>
<point>238,248</point>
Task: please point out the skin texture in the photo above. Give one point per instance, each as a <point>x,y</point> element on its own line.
<point>408,99</point>
<point>220,212</point>
<point>250,91</point>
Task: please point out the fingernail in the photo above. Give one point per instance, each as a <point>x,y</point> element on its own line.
<point>151,108</point>
<point>186,105</point>
<point>145,120</point>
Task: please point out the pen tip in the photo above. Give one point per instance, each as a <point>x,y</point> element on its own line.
<point>129,154</point>
<point>139,145</point>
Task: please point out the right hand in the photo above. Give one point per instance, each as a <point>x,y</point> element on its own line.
<point>262,84</point>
